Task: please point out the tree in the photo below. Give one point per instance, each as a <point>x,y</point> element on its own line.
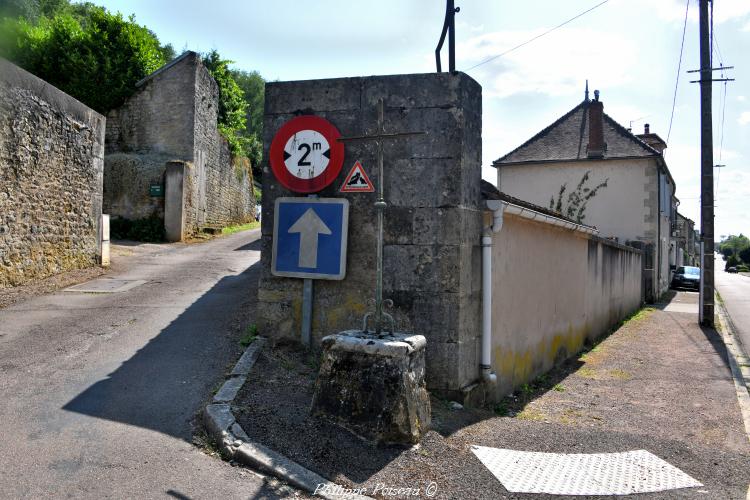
<point>734,246</point>
<point>85,51</point>
<point>253,85</point>
<point>575,208</point>
<point>745,255</point>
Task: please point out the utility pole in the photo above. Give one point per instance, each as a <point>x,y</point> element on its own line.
<point>707,167</point>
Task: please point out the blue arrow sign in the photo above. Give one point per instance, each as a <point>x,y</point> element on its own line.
<point>309,238</point>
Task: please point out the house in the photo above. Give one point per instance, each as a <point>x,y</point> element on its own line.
<point>165,158</point>
<point>587,166</point>
<point>687,252</point>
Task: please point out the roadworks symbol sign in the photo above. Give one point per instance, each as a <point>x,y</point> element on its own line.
<point>357,181</point>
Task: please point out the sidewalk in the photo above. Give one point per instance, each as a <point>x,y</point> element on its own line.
<point>659,383</point>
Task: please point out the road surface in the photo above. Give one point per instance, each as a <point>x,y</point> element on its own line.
<point>735,292</point>
<point>100,391</point>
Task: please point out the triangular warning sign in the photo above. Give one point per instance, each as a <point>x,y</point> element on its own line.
<point>357,181</point>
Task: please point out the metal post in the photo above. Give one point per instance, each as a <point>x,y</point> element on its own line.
<point>707,167</point>
<point>380,206</point>
<point>307,296</point>
<point>307,305</point>
<point>452,38</point>
<point>700,292</point>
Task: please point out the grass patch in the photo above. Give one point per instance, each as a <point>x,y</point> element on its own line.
<point>639,315</point>
<point>240,227</point>
<point>251,333</point>
<point>529,414</point>
<point>558,388</point>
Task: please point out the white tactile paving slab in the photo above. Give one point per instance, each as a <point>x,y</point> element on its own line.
<point>582,474</point>
<point>105,285</point>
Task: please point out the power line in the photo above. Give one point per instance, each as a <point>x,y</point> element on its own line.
<point>679,66</point>
<point>537,37</point>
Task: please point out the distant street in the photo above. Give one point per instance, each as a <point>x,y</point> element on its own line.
<point>735,292</point>
<point>100,391</point>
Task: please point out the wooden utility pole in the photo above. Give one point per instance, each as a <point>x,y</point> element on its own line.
<point>707,167</point>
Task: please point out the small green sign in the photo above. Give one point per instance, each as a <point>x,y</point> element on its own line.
<point>156,190</point>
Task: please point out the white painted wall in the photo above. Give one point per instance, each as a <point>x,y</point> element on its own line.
<point>619,210</point>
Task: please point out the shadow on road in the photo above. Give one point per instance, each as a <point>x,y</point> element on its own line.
<point>168,380</point>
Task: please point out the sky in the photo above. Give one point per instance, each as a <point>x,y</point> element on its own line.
<point>627,49</point>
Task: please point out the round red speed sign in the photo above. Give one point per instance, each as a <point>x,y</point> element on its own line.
<point>305,156</point>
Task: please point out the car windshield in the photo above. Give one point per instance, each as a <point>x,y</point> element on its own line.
<point>695,271</point>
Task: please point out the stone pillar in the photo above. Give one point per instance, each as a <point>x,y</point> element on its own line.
<point>174,201</point>
<point>433,221</point>
<point>374,386</point>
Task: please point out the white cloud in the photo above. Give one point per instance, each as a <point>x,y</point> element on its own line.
<point>552,65</point>
<point>741,98</point>
<point>746,27</point>
<point>744,118</point>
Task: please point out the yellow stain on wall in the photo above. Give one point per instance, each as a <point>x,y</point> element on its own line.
<point>516,368</point>
<point>339,316</point>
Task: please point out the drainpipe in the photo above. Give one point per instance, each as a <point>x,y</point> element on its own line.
<point>497,207</point>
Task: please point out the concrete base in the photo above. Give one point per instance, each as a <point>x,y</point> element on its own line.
<point>374,386</point>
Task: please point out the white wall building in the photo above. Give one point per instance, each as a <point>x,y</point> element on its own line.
<point>636,206</point>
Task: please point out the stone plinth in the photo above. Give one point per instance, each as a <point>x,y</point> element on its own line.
<point>374,386</point>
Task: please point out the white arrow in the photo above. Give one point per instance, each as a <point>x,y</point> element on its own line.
<point>309,226</point>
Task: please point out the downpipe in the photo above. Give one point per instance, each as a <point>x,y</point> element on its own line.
<point>497,207</point>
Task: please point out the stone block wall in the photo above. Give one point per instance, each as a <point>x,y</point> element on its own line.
<point>173,117</point>
<point>433,220</point>
<point>51,163</point>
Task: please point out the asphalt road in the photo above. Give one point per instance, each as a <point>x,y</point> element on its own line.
<point>735,292</point>
<point>100,391</point>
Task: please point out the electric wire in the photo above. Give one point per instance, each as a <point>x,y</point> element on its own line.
<point>537,37</point>
<point>679,67</point>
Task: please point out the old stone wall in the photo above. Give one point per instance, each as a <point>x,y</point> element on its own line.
<point>433,221</point>
<point>51,163</point>
<point>173,117</point>
<point>554,289</point>
<point>159,118</point>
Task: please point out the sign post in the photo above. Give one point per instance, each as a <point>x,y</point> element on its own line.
<point>305,158</point>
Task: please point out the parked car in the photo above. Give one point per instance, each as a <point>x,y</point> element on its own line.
<point>732,269</point>
<point>687,277</point>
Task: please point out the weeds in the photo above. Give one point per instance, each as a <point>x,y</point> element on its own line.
<point>559,388</point>
<point>251,333</point>
<point>240,227</point>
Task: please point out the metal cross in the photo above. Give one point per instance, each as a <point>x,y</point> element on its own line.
<point>380,206</point>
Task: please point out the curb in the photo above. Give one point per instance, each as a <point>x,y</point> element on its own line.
<point>234,442</point>
<point>740,373</point>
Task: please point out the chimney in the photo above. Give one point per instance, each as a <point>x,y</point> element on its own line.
<point>652,140</point>
<point>596,144</point>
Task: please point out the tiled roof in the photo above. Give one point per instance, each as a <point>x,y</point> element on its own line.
<point>490,192</point>
<point>566,139</point>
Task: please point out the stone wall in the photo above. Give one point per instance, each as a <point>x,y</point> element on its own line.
<point>433,221</point>
<point>553,290</point>
<point>173,117</point>
<point>51,162</point>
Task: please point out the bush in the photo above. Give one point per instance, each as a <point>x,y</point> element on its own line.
<point>149,229</point>
<point>85,51</point>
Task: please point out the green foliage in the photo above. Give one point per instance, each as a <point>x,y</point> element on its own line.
<point>149,229</point>
<point>735,249</point>
<point>743,268</point>
<point>240,108</point>
<point>251,333</point>
<point>232,104</point>
<point>575,207</point>
<point>253,86</point>
<point>732,261</point>
<point>85,51</point>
